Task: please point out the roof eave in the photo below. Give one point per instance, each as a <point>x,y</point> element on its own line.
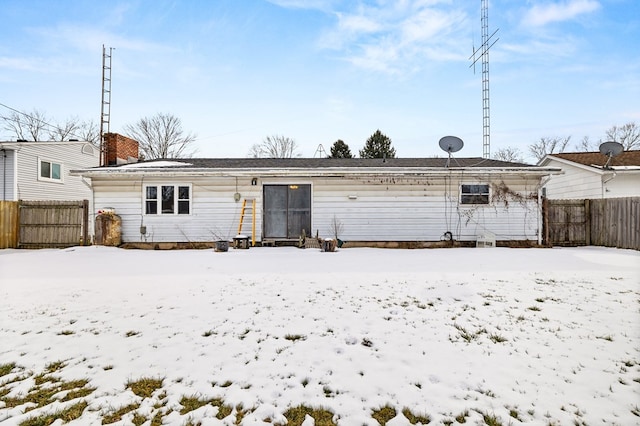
<point>329,171</point>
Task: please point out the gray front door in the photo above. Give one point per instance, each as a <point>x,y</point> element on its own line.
<point>287,211</point>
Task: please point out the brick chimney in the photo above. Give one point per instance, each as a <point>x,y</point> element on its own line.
<point>119,149</point>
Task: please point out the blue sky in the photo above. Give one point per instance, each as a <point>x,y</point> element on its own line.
<point>236,71</point>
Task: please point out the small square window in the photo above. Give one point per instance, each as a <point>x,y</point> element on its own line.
<point>474,194</point>
<point>50,171</point>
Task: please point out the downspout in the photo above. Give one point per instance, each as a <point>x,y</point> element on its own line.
<point>92,213</point>
<point>605,181</point>
<point>4,174</point>
<point>543,182</point>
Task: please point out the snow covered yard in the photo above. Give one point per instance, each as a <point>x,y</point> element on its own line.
<point>96,335</point>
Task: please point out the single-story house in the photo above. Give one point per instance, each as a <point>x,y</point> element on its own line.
<point>406,201</point>
<point>588,176</point>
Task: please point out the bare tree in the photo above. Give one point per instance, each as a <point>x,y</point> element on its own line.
<point>28,127</point>
<point>161,136</point>
<point>509,154</point>
<point>628,135</point>
<point>88,131</point>
<point>587,145</point>
<point>548,146</point>
<point>275,147</point>
<point>36,126</point>
<point>64,131</point>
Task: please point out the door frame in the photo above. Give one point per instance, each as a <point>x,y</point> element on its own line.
<point>264,204</point>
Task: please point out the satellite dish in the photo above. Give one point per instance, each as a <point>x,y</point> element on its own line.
<point>451,144</point>
<point>610,149</point>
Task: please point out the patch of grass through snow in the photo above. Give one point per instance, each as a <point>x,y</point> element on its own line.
<point>116,415</point>
<point>7,368</point>
<point>462,417</point>
<point>296,415</point>
<point>144,387</point>
<point>193,403</point>
<point>295,337</point>
<point>414,418</point>
<point>383,414</point>
<point>66,415</point>
<point>47,389</point>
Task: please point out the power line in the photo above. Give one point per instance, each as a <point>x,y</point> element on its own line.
<point>60,129</point>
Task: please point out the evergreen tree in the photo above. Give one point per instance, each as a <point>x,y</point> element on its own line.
<point>339,149</point>
<point>378,146</point>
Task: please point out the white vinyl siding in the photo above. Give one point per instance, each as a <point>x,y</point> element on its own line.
<point>27,183</point>
<point>8,175</point>
<point>581,182</point>
<point>31,186</point>
<point>369,209</point>
<point>576,183</point>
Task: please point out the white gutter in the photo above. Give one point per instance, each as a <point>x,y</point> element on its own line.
<point>315,172</point>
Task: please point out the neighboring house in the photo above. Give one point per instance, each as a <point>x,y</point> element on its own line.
<point>365,200</point>
<point>585,176</point>
<point>40,170</point>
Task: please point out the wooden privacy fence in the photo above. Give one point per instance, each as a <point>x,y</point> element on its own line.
<point>612,222</point>
<point>9,224</point>
<point>43,224</point>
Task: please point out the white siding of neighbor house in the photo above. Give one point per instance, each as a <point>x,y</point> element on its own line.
<point>8,175</point>
<point>69,155</point>
<point>623,184</point>
<point>575,183</point>
<point>579,183</point>
<point>26,184</point>
<point>369,209</point>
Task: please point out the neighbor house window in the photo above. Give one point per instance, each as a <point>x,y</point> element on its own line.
<point>167,199</point>
<point>49,170</point>
<point>474,194</point>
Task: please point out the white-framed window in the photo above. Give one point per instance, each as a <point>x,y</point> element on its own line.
<point>474,194</point>
<point>167,199</point>
<point>49,170</point>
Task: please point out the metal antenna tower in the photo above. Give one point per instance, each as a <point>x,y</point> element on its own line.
<point>483,53</point>
<point>320,152</point>
<point>105,110</point>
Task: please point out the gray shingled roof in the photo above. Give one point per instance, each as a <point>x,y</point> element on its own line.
<point>306,163</point>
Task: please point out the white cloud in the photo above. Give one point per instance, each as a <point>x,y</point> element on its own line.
<point>540,15</point>
<point>304,4</point>
<point>21,64</point>
<point>392,37</point>
<point>542,48</point>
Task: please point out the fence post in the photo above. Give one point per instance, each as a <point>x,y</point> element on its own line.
<point>587,222</point>
<point>545,225</point>
<point>85,222</point>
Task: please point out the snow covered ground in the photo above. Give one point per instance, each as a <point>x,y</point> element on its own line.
<point>539,336</point>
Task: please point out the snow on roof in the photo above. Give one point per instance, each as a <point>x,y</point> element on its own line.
<point>152,164</point>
